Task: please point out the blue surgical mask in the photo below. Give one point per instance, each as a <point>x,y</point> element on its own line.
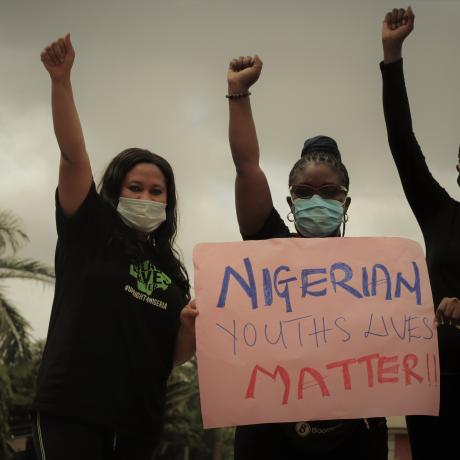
<point>317,217</point>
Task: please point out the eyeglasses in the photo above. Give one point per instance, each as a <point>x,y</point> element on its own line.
<point>326,191</point>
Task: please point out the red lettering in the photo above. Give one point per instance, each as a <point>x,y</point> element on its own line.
<point>370,371</point>
<point>319,381</point>
<point>381,370</point>
<point>428,367</point>
<point>435,369</point>
<point>408,372</point>
<point>345,370</point>
<point>281,371</point>
<point>387,371</point>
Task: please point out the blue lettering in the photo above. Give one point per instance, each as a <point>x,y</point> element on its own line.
<point>280,335</point>
<point>232,334</point>
<point>348,272</point>
<point>285,292</point>
<point>268,293</point>
<point>410,328</point>
<point>369,332</point>
<point>415,288</point>
<point>403,335</point>
<point>254,331</point>
<point>365,282</point>
<point>322,331</point>
<point>305,284</point>
<point>387,280</point>
<point>249,287</point>
<point>427,325</point>
<point>299,330</point>
<point>342,329</point>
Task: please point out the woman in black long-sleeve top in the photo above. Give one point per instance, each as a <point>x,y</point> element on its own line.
<point>439,218</point>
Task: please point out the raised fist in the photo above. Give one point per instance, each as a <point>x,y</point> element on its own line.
<point>397,25</point>
<point>448,312</point>
<point>243,72</point>
<point>58,58</point>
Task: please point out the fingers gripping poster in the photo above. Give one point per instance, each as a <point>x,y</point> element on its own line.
<point>312,329</point>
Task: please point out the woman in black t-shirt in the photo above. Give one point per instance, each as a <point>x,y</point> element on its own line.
<point>121,314</point>
<point>438,215</point>
<point>318,203</point>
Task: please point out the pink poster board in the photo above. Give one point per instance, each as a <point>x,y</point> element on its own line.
<point>311,329</point>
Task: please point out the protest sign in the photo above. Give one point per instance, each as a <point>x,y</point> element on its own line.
<point>312,329</point>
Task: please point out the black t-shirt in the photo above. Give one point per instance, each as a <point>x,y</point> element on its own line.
<point>436,212</point>
<point>313,437</point>
<point>112,330</point>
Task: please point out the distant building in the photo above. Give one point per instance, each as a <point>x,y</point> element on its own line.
<point>398,439</point>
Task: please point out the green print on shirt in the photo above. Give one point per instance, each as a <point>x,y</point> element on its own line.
<point>149,277</point>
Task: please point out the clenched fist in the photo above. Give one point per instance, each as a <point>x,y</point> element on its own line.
<point>58,58</point>
<point>243,73</point>
<point>397,25</point>
<point>448,312</point>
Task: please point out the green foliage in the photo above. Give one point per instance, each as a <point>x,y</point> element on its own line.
<point>19,357</point>
<point>11,235</point>
<point>14,333</point>
<point>5,398</point>
<point>14,329</point>
<point>23,376</point>
<point>183,436</point>
<point>12,267</point>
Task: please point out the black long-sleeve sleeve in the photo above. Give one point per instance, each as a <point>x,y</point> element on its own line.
<point>425,196</point>
<point>437,213</point>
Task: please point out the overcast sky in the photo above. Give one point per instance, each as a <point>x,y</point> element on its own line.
<point>152,74</point>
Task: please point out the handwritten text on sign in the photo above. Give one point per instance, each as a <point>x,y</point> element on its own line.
<point>309,329</point>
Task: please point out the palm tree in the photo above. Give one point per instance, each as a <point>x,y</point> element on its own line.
<point>14,329</point>
<point>16,347</point>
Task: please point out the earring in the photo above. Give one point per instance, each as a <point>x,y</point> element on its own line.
<point>290,217</point>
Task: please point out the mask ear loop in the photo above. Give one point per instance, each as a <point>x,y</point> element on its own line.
<point>151,239</point>
<point>344,221</point>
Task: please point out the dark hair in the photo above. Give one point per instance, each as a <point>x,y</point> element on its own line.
<point>319,157</point>
<point>161,241</point>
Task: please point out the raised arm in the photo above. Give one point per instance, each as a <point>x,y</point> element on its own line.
<point>75,175</point>
<point>252,194</point>
<point>397,25</point>
<point>424,194</point>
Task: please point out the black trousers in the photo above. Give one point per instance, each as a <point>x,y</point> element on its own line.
<point>59,438</point>
<point>437,437</point>
<point>268,442</point>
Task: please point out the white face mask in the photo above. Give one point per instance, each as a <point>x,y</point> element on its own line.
<point>143,215</point>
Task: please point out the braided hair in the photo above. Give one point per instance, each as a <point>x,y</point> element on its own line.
<point>322,150</point>
<point>331,159</point>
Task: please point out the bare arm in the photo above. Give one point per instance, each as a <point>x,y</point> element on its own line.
<point>252,193</point>
<point>75,174</point>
